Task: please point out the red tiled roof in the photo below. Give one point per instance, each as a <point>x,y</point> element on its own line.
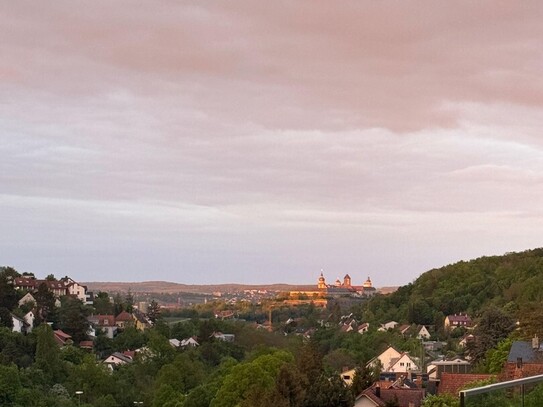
<point>61,337</point>
<point>130,353</point>
<point>62,334</point>
<point>123,316</point>
<point>404,396</point>
<point>452,383</point>
<point>371,395</point>
<point>86,344</point>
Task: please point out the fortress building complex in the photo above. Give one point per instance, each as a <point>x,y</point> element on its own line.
<point>338,289</point>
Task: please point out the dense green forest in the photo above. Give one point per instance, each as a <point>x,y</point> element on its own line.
<point>512,282</point>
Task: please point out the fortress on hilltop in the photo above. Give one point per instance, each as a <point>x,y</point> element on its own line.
<point>345,288</point>
<point>340,288</point>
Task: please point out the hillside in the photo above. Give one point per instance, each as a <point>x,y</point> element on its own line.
<point>513,281</point>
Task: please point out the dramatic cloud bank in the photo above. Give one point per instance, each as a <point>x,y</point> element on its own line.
<point>258,142</point>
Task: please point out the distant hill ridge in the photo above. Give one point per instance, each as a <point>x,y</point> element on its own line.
<point>169,287</point>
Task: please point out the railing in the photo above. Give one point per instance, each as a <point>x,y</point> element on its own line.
<point>520,392</point>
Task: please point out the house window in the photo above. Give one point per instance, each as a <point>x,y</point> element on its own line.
<point>347,377</point>
<point>408,364</point>
<point>401,363</point>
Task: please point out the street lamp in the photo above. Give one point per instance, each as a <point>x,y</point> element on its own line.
<point>79,393</point>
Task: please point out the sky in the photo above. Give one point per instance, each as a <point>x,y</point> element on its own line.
<point>258,142</point>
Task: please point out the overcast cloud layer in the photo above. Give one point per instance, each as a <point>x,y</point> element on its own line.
<point>260,142</point>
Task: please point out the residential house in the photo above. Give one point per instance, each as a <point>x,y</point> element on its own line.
<point>26,283</point>
<point>404,330</point>
<point>117,359</point>
<point>423,333</point>
<point>124,320</point>
<point>346,328</point>
<point>189,342</point>
<point>347,376</point>
<point>525,359</point>
<point>19,324</point>
<point>363,328</point>
<point>454,366</point>
<point>433,346</point>
<point>28,298</point>
<point>223,337</point>
<point>452,383</point>
<point>29,319</point>
<point>457,320</point>
<point>106,323</point>
<point>385,358</point>
<point>62,338</point>
<point>88,345</point>
<point>59,288</point>
<point>465,340</point>
<point>404,363</point>
<point>141,322</point>
<point>388,325</point>
<point>75,289</point>
<point>175,343</point>
<point>376,396</point>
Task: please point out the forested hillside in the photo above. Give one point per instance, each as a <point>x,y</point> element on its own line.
<point>513,282</point>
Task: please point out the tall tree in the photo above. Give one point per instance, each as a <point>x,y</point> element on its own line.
<point>494,326</point>
<point>102,304</point>
<point>326,392</point>
<point>8,294</point>
<point>72,318</point>
<point>5,318</point>
<point>48,354</point>
<point>129,301</point>
<point>153,312</point>
<point>45,302</point>
<point>309,361</point>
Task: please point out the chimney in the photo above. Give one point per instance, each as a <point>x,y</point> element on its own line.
<point>535,343</point>
<point>378,390</point>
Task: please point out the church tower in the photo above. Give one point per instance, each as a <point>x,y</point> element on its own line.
<point>347,280</point>
<point>321,285</point>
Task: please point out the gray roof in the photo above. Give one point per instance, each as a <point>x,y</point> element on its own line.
<point>523,349</point>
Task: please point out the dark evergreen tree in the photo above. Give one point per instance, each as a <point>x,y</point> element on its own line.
<point>72,318</point>
<point>6,318</point>
<point>45,303</point>
<point>102,304</point>
<point>48,354</point>
<point>8,294</point>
